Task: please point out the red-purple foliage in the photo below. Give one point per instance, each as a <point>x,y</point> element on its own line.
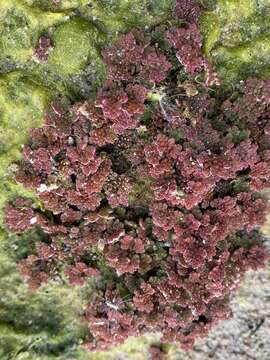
<point>130,61</point>
<point>187,40</point>
<point>162,208</point>
<point>187,10</point>
<point>42,51</point>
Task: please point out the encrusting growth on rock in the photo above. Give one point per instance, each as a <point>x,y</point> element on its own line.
<point>167,261</point>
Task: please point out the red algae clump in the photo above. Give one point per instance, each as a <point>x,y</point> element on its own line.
<point>152,189</point>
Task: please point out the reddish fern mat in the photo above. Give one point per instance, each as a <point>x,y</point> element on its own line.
<point>153,188</point>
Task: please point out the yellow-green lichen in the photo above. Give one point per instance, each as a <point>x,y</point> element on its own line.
<point>56,7</point>
<point>115,16</point>
<point>21,107</point>
<point>36,325</point>
<point>237,38</point>
<point>74,42</point>
<point>20,27</point>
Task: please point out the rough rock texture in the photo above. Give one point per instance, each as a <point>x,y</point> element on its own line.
<point>246,336</point>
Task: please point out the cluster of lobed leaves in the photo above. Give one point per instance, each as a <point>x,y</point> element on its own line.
<point>153,188</point>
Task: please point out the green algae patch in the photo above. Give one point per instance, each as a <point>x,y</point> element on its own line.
<point>63,5</point>
<point>73,45</point>
<point>37,325</point>
<point>237,38</point>
<point>20,27</point>
<point>21,107</point>
<point>73,39</point>
<point>117,16</point>
<point>133,349</point>
<point>15,33</point>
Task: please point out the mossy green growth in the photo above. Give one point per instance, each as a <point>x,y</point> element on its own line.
<point>117,16</point>
<point>141,193</point>
<point>21,107</point>
<point>237,38</point>
<point>22,22</point>
<point>49,5</point>
<point>37,325</point>
<point>20,27</point>
<point>69,56</point>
